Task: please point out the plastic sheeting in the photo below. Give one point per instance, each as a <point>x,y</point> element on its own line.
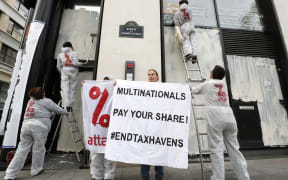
<point>256,79</point>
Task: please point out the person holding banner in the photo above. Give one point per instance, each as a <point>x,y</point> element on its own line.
<point>67,65</point>
<point>159,170</point>
<point>35,129</point>
<point>99,165</point>
<point>221,126</point>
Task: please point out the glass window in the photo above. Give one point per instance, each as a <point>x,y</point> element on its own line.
<point>17,4</point>
<point>3,52</point>
<point>17,32</point>
<point>203,12</point>
<point>238,14</point>
<point>8,55</point>
<point>10,27</point>
<point>3,95</point>
<point>23,10</point>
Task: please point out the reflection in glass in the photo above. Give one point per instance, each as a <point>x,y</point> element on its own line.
<point>238,14</point>
<point>203,12</point>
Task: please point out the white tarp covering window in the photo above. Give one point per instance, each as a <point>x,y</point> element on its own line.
<point>256,79</point>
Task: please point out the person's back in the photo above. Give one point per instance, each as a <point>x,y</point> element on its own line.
<point>215,92</point>
<point>34,132</point>
<point>68,64</point>
<point>221,126</point>
<point>39,111</point>
<point>68,60</point>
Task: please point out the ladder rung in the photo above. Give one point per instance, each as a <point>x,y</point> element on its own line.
<point>198,104</point>
<point>200,119</point>
<point>202,134</point>
<point>74,130</point>
<point>196,80</point>
<point>205,151</point>
<point>193,70</point>
<point>77,140</point>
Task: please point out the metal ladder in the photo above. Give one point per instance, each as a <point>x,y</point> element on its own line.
<point>199,134</point>
<point>74,132</point>
<point>191,67</point>
<point>194,67</point>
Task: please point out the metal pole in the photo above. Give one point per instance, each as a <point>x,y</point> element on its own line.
<point>98,40</point>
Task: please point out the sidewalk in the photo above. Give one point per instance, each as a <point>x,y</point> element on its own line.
<point>260,169</point>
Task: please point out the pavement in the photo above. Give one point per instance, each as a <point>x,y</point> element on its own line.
<point>65,167</point>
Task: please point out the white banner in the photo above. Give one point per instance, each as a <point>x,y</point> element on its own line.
<point>96,104</point>
<point>149,124</point>
<point>11,89</point>
<point>11,133</point>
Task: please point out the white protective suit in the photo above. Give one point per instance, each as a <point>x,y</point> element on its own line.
<point>101,168</point>
<point>34,131</point>
<point>221,125</point>
<point>183,19</point>
<point>67,65</point>
<point>99,165</point>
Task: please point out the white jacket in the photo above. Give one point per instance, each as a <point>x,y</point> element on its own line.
<point>38,112</point>
<point>215,92</point>
<point>68,60</point>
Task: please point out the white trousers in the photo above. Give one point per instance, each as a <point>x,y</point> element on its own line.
<point>30,135</point>
<point>221,127</point>
<point>186,30</point>
<point>101,168</point>
<point>69,79</point>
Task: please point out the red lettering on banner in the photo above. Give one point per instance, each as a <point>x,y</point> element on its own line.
<point>68,61</point>
<point>185,14</point>
<point>221,94</point>
<point>97,140</point>
<point>94,93</point>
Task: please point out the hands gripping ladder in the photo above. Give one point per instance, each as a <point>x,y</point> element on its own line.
<point>74,132</point>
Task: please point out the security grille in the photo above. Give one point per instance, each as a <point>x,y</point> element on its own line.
<point>249,43</point>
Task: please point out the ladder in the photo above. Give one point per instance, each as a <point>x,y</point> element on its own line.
<point>193,68</point>
<point>74,132</point>
<point>198,135</point>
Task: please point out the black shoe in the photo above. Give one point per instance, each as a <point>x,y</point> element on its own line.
<point>194,57</point>
<point>69,109</point>
<point>188,57</point>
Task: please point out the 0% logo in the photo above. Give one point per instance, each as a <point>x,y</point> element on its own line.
<point>103,120</point>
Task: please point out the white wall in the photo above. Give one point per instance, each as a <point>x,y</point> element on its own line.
<point>114,51</point>
<point>281,10</point>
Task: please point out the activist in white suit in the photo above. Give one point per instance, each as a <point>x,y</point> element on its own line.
<point>68,64</point>
<point>159,170</point>
<point>35,129</point>
<point>221,126</point>
<point>101,168</point>
<point>184,28</point>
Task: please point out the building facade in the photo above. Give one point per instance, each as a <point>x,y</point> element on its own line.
<point>13,16</point>
<point>247,37</point>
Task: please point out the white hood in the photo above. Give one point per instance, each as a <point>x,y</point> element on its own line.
<point>66,49</point>
<point>184,6</point>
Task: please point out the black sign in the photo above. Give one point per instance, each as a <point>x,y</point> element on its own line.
<point>132,30</point>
